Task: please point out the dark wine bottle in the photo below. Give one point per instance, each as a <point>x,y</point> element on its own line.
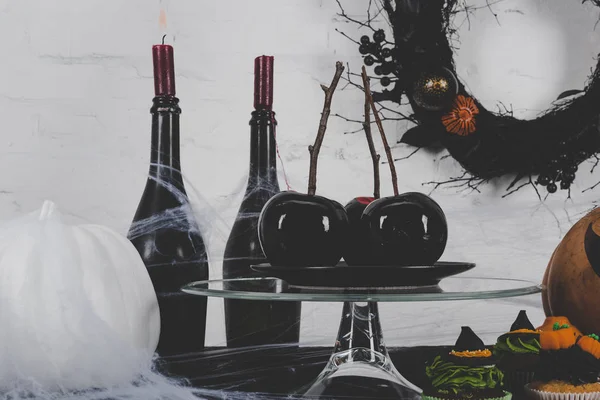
<point>252,323</point>
<point>164,230</point>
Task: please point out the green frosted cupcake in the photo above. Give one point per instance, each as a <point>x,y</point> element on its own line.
<point>518,354</point>
<point>468,371</point>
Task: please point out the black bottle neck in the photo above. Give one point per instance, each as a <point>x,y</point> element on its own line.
<point>263,153</point>
<point>164,157</point>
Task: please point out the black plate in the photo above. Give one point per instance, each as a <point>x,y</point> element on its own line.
<point>371,276</point>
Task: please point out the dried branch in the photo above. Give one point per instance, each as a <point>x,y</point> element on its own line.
<point>514,182</point>
<point>367,129</point>
<point>536,189</point>
<point>354,131</point>
<point>465,180</point>
<point>386,146</point>
<point>595,163</point>
<point>314,149</point>
<point>357,22</point>
<point>522,185</point>
<point>415,151</point>
<point>389,9</point>
<point>346,36</point>
<point>349,80</point>
<point>591,187</point>
<point>401,114</point>
<point>347,119</point>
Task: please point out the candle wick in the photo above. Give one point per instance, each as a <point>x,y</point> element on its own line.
<point>163,39</point>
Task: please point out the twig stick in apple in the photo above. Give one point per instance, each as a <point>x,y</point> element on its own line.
<point>367,128</point>
<point>314,149</point>
<point>386,146</point>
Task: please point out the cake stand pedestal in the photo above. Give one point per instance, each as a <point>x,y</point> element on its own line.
<point>360,366</point>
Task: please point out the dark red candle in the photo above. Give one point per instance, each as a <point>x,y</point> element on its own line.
<point>263,82</point>
<point>164,70</point>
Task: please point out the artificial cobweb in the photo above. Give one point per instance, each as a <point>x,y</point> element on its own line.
<point>97,350</point>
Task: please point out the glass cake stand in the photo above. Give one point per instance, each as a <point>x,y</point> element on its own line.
<point>360,366</point>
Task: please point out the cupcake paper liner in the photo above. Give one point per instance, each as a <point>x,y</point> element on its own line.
<point>507,396</point>
<point>515,381</point>
<point>540,395</point>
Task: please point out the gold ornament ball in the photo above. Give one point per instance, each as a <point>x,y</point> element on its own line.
<point>435,90</point>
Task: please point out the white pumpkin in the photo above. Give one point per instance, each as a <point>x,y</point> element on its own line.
<point>77,307</point>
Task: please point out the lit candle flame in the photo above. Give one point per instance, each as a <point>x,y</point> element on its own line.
<point>162,20</point>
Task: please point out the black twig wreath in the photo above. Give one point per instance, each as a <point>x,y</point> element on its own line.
<point>418,66</point>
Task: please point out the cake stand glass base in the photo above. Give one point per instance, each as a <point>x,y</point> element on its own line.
<point>360,366</point>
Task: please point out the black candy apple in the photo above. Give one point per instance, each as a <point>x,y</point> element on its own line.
<point>297,229</point>
<point>357,250</point>
<point>407,229</point>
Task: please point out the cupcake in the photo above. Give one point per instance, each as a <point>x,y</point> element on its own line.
<point>518,354</point>
<point>466,372</point>
<point>569,368</point>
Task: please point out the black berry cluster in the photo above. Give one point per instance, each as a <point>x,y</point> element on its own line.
<point>560,171</point>
<point>375,53</point>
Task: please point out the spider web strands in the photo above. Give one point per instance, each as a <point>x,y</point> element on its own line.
<point>213,219</point>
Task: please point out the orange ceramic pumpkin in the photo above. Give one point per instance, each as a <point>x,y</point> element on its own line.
<point>571,283</point>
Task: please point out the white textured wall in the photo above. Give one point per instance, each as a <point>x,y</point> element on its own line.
<point>76,86</point>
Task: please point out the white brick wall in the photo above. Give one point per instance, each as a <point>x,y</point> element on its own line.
<point>76,86</point>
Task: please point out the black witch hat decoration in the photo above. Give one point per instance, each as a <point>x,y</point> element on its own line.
<point>522,322</point>
<point>468,341</point>
<point>469,349</point>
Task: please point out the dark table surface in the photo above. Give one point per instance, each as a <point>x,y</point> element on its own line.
<point>278,370</point>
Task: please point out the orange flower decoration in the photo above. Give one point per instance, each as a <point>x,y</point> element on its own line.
<point>461,119</point>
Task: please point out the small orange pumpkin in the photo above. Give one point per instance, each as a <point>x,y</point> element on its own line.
<point>549,323</point>
<point>560,337</point>
<point>590,345</point>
